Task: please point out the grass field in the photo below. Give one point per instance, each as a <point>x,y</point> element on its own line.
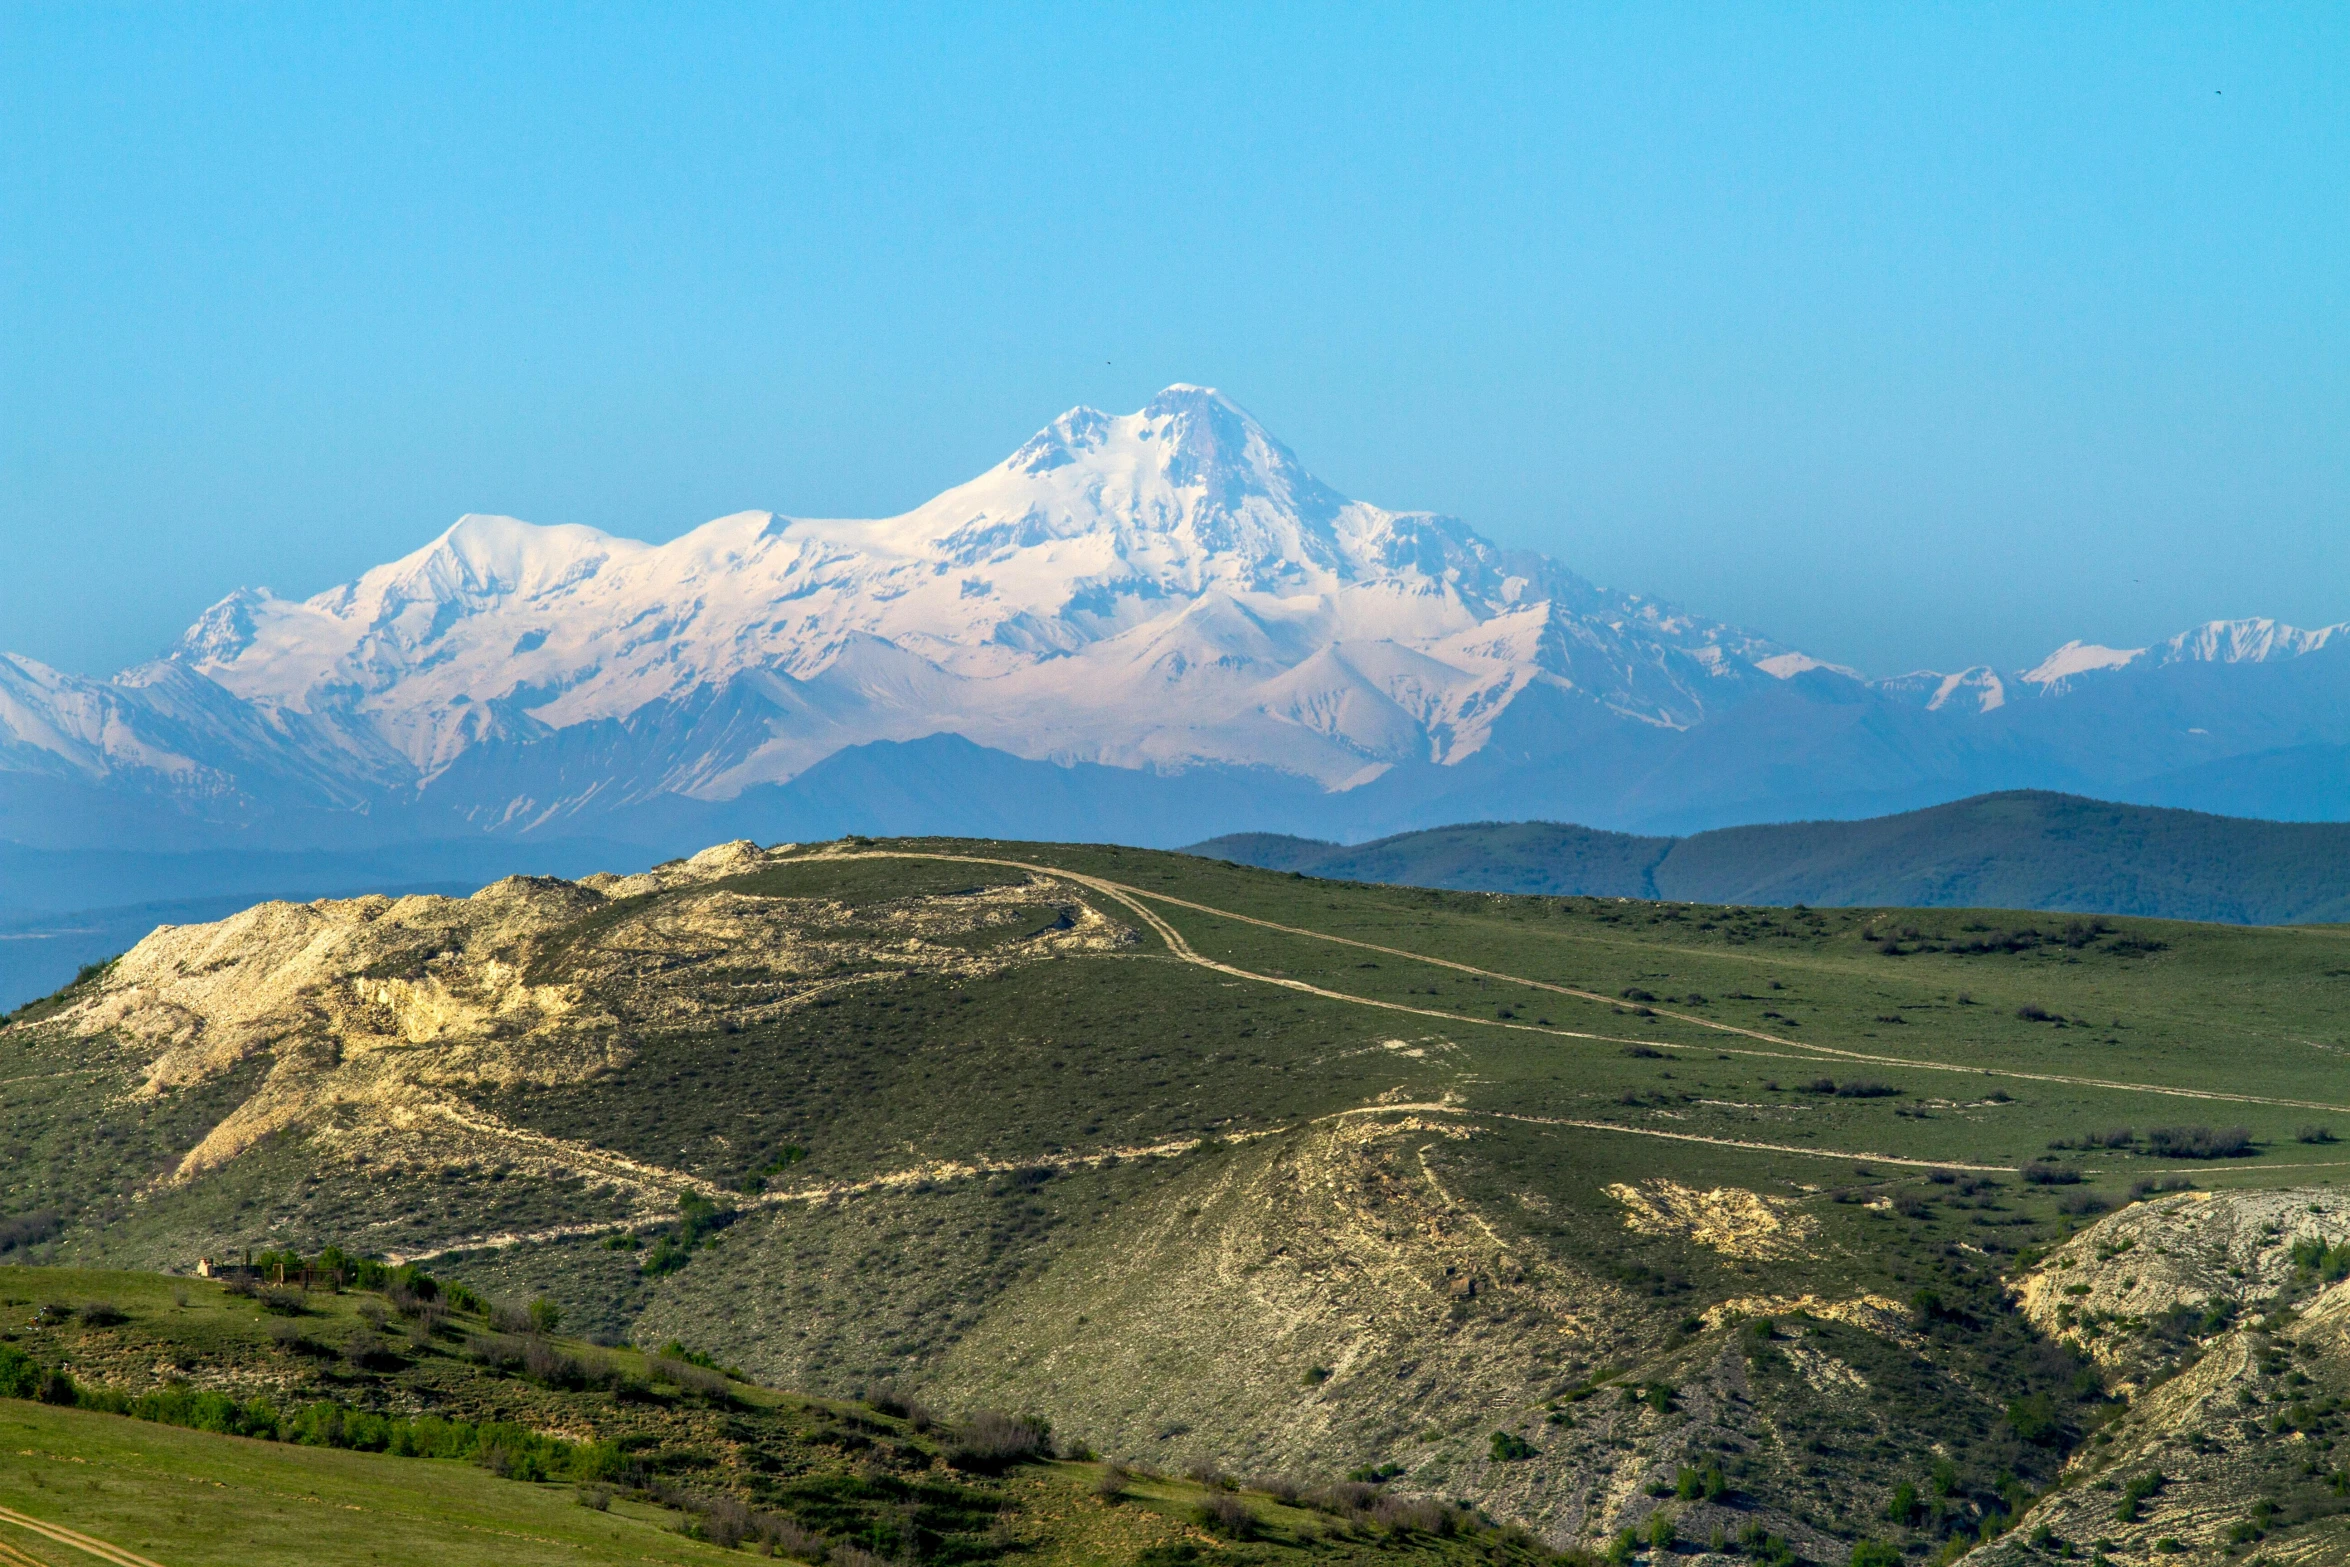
<point>194,1499</point>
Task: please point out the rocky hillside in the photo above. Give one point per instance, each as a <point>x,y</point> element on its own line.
<point>1698,1223</point>
<point>2225,1319</point>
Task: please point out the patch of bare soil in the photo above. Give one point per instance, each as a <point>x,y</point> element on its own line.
<point>1729,1219</point>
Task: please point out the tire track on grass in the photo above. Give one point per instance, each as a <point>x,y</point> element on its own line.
<point>103,1550</point>
<point>1130,896</point>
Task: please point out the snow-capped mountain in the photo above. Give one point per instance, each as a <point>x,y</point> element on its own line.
<point>1165,595</point>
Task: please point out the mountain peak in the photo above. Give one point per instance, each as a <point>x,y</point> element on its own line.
<point>2056,672</point>
<point>2255,640</point>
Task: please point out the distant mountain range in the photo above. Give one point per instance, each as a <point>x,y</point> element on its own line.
<point>1149,627</point>
<point>2019,850</point>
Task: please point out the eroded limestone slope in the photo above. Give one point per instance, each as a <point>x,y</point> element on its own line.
<point>2234,1349</point>
<point>374,1013</point>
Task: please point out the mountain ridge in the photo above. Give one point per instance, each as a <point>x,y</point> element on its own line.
<point>1169,592</point>
<point>2020,849</point>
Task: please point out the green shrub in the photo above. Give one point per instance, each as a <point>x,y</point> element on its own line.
<point>2134,1494</point>
<point>19,1376</point>
<point>2330,1263</point>
<point>2034,1419</point>
<point>2200,1142</point>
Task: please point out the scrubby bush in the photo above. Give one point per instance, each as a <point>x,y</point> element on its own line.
<point>2154,1185</point>
<point>2046,1172</point>
<point>2034,1419</point>
<point>290,1335</point>
<point>990,1442</point>
<point>1865,1088</point>
<point>29,1229</point>
<point>725,1523</point>
<point>1222,1513</point>
<point>889,1398</point>
<point>2199,1142</point>
<point>2329,1263</point>
<point>2134,1495</point>
<point>103,1314</point>
<point>2313,1134</point>
<point>789,1537</point>
<point>689,1377</point>
<point>1398,1516</point>
<point>1202,1472</point>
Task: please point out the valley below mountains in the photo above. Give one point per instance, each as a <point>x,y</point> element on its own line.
<point>1670,1231</point>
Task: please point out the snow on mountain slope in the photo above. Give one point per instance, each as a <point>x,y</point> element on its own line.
<point>2054,674</point>
<point>2259,641</point>
<point>1161,589</point>
<point>2254,641</point>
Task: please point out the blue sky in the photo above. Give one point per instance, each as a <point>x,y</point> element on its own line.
<point>1911,334</point>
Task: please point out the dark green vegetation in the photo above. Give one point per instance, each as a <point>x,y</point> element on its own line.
<point>1534,1202</point>
<point>407,1397</point>
<point>2020,850</point>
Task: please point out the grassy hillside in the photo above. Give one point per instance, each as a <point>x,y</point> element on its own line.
<point>1603,1216</point>
<point>202,1425</point>
<point>2020,850</point>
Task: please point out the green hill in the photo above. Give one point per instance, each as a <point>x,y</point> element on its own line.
<point>1684,1220</point>
<point>289,1425</point>
<point>2019,850</point>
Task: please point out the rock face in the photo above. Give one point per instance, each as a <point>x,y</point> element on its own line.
<point>2198,1249</point>
<point>2228,1319</point>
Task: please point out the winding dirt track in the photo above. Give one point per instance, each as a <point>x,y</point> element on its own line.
<point>73,1537</point>
<point>1131,897</point>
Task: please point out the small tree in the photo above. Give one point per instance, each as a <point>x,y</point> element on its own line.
<point>545,1315</point>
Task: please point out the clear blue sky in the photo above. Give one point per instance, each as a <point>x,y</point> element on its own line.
<point>1912,334</point>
